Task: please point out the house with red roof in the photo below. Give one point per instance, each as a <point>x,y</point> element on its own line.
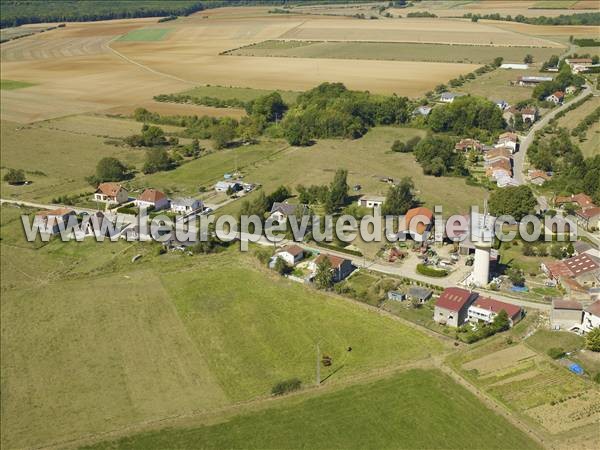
<point>152,198</point>
<point>556,97</point>
<point>291,254</point>
<point>580,272</point>
<point>453,305</point>
<point>111,193</point>
<point>589,218</point>
<point>341,267</point>
<point>485,309</point>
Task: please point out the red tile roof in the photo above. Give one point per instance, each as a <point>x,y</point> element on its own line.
<point>110,189</point>
<point>496,306</point>
<point>559,94</point>
<point>294,250</point>
<point>588,213</point>
<point>151,196</point>
<point>454,299</point>
<point>566,304</point>
<point>336,261</point>
<point>581,199</point>
<point>594,308</point>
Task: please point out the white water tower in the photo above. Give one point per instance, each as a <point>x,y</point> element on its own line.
<point>483,237</point>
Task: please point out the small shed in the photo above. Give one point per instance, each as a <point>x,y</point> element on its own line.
<point>419,293</point>
<point>396,296</point>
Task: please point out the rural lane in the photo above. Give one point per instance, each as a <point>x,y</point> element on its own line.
<point>519,158</point>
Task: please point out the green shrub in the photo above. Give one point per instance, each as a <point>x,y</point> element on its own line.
<point>431,272</point>
<point>283,387</point>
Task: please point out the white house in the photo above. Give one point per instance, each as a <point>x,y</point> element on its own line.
<point>186,205</point>
<point>486,310</point>
<point>422,111</point>
<point>280,211</point>
<point>556,97</point>
<point>111,193</point>
<point>448,97</point>
<point>152,198</point>
<point>224,186</point>
<point>591,317</point>
<point>291,254</point>
<point>371,201</point>
<point>529,114</point>
<point>508,139</point>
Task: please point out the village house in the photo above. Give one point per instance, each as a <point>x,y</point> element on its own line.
<point>371,201</point>
<point>531,80</point>
<point>591,317</point>
<point>112,193</point>
<point>579,65</point>
<point>499,168</point>
<point>280,211</point>
<point>566,315</point>
<point>341,267</point>
<point>50,222</point>
<point>396,296</point>
<point>468,144</point>
<point>152,198</point>
<point>419,294</point>
<point>538,177</point>
<point>224,186</point>
<point>452,307</point>
<point>589,218</point>
<point>422,110</point>
<point>497,154</point>
<point>529,114</point>
<point>486,309</point>
<point>556,97</point>
<point>583,271</point>
<point>186,205</point>
<point>582,200</point>
<point>508,139</point>
<point>291,254</point>
<point>448,97</point>
<point>417,224</point>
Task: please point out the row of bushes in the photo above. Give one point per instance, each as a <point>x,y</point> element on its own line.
<point>588,121</point>
<point>204,100</point>
<point>340,249</point>
<point>431,271</point>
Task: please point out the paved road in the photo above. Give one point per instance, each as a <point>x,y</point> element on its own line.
<point>519,157</point>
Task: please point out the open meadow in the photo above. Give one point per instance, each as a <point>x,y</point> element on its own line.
<point>414,409</point>
<point>142,342</point>
<point>590,146</point>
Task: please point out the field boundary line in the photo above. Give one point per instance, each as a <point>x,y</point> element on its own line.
<point>142,66</point>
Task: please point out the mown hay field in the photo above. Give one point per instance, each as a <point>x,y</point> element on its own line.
<point>414,409</point>
<point>392,51</point>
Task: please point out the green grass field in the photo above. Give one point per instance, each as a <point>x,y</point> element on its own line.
<point>146,35</point>
<point>394,51</point>
<point>10,85</point>
<point>554,4</point>
<point>244,94</point>
<point>415,409</point>
<point>92,342</point>
<point>591,145</point>
<point>543,340</point>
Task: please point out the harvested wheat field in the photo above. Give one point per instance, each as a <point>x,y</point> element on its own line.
<point>178,109</point>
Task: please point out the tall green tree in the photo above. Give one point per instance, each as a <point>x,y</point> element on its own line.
<point>111,169</point>
<point>592,340</point>
<point>338,191</point>
<point>324,275</point>
<point>400,198</point>
<point>157,159</point>
<point>516,201</point>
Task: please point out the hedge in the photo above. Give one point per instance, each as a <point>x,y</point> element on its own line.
<point>431,272</point>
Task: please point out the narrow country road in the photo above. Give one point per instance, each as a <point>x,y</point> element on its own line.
<point>519,157</point>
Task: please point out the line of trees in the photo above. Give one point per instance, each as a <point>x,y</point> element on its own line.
<point>592,18</point>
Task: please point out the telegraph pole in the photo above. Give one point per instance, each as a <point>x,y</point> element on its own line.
<point>318,366</point>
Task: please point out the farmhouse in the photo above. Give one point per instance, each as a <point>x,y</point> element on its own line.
<point>566,315</point>
<point>497,154</point>
<point>51,221</point>
<point>186,205</point>
<point>111,193</point>
<point>417,224</point>
<point>468,144</point>
<point>341,267</point>
<point>538,177</point>
<point>291,254</point>
<point>591,317</point>
<point>448,97</point>
<point>508,139</point>
<point>532,81</point>
<point>224,186</point>
<point>486,309</point>
<point>422,111</point>
<point>556,97</point>
<point>419,294</point>
<point>152,198</point>
<point>582,200</point>
<point>371,201</point>
<point>452,306</point>
<point>529,114</point>
<point>579,65</point>
<point>589,218</point>
<point>281,211</point>
<point>499,168</point>
<point>579,272</point>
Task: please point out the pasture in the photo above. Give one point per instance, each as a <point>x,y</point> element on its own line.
<point>414,409</point>
<point>168,335</point>
<point>591,145</point>
<point>392,51</point>
<point>9,85</point>
<point>145,35</point>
